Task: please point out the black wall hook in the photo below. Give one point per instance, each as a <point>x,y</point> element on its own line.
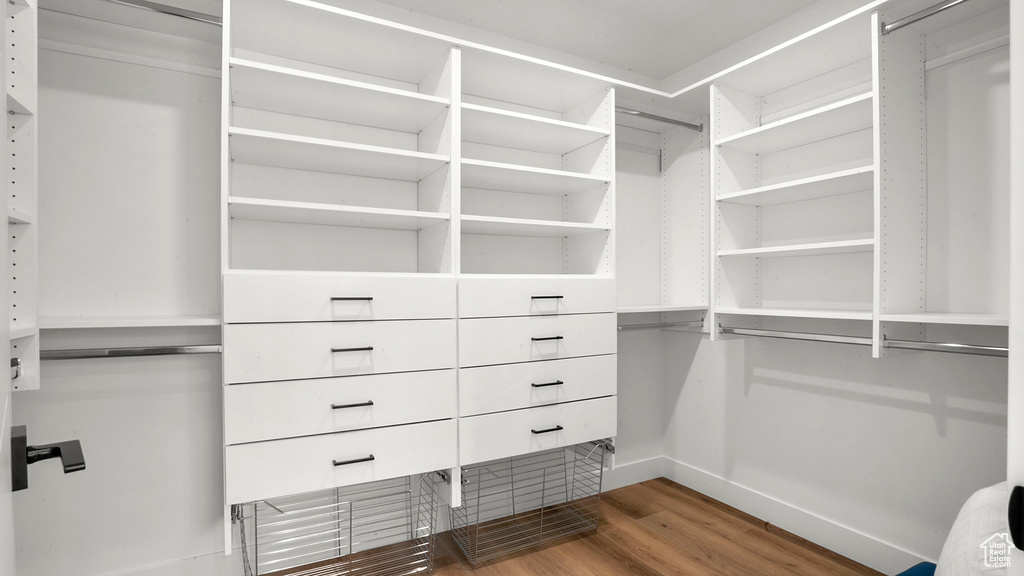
<point>69,452</point>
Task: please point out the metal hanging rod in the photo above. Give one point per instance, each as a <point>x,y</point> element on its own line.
<point>950,347</point>
<point>126,352</point>
<point>649,116</point>
<point>858,340</point>
<point>887,28</point>
<point>974,349</point>
<point>171,10</point>
<point>656,325</point>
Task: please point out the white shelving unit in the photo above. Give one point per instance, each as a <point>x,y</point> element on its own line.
<point>944,196</point>
<point>662,220</point>
<point>369,168</point>
<point>20,70</point>
<point>793,169</point>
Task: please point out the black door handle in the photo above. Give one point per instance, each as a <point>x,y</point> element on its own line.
<point>69,452</point>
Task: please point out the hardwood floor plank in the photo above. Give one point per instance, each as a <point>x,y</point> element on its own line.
<point>659,528</point>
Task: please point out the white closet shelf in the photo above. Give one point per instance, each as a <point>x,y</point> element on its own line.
<point>83,322</point>
<point>835,119</point>
<point>280,89</point>
<point>812,249</point>
<point>497,226</point>
<point>508,77</point>
<point>16,216</point>
<point>826,48</point>
<point>824,314</point>
<point>832,184</point>
<point>642,308</point>
<point>515,178</point>
<point>331,214</point>
<point>958,318</point>
<point>486,125</point>
<point>311,34</point>
<point>287,151</point>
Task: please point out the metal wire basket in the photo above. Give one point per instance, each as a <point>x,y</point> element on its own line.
<point>383,528</point>
<point>518,503</point>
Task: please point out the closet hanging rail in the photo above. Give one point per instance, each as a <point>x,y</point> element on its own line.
<point>83,353</point>
<point>655,325</point>
<point>171,10</point>
<point>997,351</point>
<point>858,340</point>
<point>892,27</point>
<point>951,347</point>
<point>649,116</point>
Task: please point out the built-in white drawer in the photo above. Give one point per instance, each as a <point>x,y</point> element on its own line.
<point>481,297</point>
<point>486,389</point>
<point>505,434</point>
<point>303,297</point>
<point>486,341</point>
<point>265,470</point>
<point>293,351</point>
<point>272,410</point>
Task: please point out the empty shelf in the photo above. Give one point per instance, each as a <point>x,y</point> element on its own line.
<point>497,127</point>
<point>824,314</point>
<point>331,214</point>
<point>964,319</point>
<point>496,226</point>
<point>528,179</point>
<point>279,89</point>
<point>322,155</point>
<point>813,249</point>
<point>832,184</point>
<point>835,119</point>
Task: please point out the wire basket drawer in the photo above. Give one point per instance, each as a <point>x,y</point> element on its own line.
<point>517,503</point>
<point>383,528</point>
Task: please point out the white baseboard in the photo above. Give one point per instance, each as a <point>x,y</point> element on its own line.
<point>633,473</point>
<point>885,557</point>
<point>216,564</point>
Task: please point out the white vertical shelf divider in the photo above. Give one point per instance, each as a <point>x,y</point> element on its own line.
<point>901,211</point>
<point>21,185</point>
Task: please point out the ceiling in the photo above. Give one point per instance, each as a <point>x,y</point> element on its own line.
<point>655,38</point>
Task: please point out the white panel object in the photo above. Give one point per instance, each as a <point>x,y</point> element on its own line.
<point>269,410</point>
<point>505,434</point>
<point>283,351</point>
<point>20,166</point>
<point>488,389</point>
<point>486,341</point>
<point>274,296</point>
<point>263,470</point>
<point>534,296</point>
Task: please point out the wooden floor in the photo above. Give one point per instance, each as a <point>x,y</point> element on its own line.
<point>661,528</point>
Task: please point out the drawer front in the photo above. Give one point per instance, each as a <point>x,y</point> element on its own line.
<point>481,297</point>
<point>282,467</point>
<point>486,389</point>
<point>293,351</point>
<point>486,341</point>
<point>305,297</point>
<point>271,410</point>
<point>505,434</point>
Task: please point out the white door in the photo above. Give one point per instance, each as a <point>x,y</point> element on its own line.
<point>1015,411</point>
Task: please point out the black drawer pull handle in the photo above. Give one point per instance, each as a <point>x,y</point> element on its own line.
<point>555,383</point>
<point>359,405</point>
<point>351,298</point>
<point>546,297</point>
<point>546,338</point>
<point>555,429</point>
<point>359,349</point>
<point>369,458</point>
